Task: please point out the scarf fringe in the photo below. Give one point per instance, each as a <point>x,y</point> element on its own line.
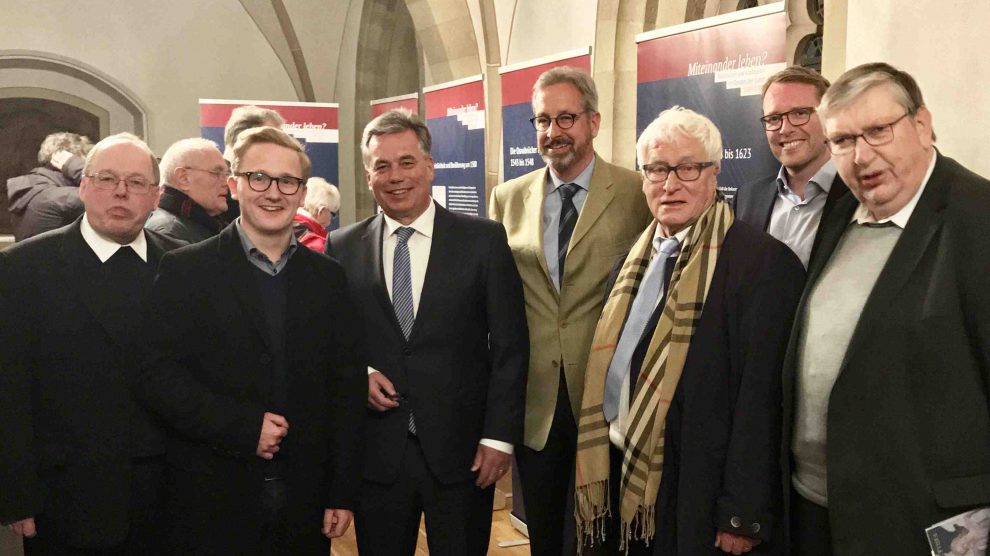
<point>592,510</point>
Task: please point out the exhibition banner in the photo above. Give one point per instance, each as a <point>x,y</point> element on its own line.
<point>717,67</point>
<point>314,124</point>
<point>409,102</point>
<point>519,153</point>
<point>455,114</point>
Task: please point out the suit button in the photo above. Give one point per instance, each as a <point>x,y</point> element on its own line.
<point>755,528</point>
<point>563,324</point>
<point>555,363</point>
<point>266,359</point>
<point>735,522</point>
<point>406,351</point>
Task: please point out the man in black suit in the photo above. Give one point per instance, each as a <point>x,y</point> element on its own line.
<point>887,406</point>
<point>256,366</point>
<point>680,420</point>
<point>82,464</point>
<point>442,308</point>
<point>791,204</point>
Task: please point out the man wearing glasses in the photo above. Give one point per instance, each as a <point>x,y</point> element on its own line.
<point>679,435</point>
<point>567,225</point>
<point>886,400</point>
<point>791,204</point>
<point>83,464</point>
<point>255,364</point>
<point>194,192</point>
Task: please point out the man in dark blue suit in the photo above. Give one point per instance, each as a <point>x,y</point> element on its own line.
<point>791,204</point>
<point>447,342</point>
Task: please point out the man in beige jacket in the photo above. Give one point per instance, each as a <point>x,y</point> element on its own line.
<point>567,225</point>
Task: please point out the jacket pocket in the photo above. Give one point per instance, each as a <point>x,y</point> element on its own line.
<point>958,492</point>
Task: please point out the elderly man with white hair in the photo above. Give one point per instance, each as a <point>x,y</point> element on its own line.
<point>679,437</point>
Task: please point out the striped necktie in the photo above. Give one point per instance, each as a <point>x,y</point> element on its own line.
<point>402,298</point>
<point>565,228</point>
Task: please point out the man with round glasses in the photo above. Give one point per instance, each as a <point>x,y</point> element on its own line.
<point>255,364</point>
<point>791,204</point>
<point>194,193</point>
<point>567,224</point>
<point>886,403</point>
<point>679,435</point>
<point>83,464</point>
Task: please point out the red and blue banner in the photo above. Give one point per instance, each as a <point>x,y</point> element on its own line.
<point>455,114</point>
<point>519,153</point>
<point>717,67</point>
<point>314,124</point>
<point>410,102</point>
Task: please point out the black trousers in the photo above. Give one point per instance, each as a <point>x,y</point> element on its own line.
<point>810,531</point>
<point>148,523</point>
<point>547,478</point>
<point>458,516</point>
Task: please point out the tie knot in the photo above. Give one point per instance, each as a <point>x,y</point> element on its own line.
<point>668,246</point>
<point>567,191</point>
<point>404,234</point>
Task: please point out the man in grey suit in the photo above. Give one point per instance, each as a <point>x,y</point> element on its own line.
<point>886,400</point>
<point>791,204</point>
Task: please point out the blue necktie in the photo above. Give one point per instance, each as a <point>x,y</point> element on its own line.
<point>642,307</point>
<point>402,298</point>
<point>568,217</point>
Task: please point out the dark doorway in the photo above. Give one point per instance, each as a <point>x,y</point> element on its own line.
<point>24,124</point>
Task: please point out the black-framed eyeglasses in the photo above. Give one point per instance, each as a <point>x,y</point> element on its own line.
<point>260,182</point>
<point>109,181</point>
<point>796,116</point>
<point>217,174</point>
<point>875,136</point>
<point>563,121</point>
<point>689,171</point>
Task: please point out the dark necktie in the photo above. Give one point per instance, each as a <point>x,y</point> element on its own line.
<point>568,217</point>
<point>402,298</point>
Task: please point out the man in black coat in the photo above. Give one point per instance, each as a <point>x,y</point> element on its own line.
<point>442,308</point>
<point>680,420</point>
<point>256,365</point>
<point>82,464</point>
<point>194,193</point>
<point>791,204</point>
<point>48,197</point>
<point>886,397</point>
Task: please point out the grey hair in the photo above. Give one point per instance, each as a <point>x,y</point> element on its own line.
<point>321,193</point>
<point>677,122</point>
<point>177,155</point>
<point>396,121</point>
<point>78,145</point>
<point>122,138</point>
<point>244,118</point>
<point>577,77</point>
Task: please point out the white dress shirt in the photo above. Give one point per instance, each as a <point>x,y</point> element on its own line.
<point>901,217</point>
<point>105,248</point>
<point>419,257</point>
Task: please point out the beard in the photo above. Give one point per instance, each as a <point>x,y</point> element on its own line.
<point>559,162</point>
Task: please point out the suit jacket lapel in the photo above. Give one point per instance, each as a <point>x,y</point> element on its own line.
<point>533,202</point>
<point>374,266</point>
<point>764,202</point>
<point>232,254</point>
<point>600,195</point>
<point>443,259</point>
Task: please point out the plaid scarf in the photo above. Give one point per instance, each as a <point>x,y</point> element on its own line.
<point>642,460</point>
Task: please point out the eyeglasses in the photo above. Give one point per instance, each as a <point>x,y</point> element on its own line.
<point>563,121</point>
<point>109,181</point>
<point>797,116</point>
<point>217,174</point>
<point>875,136</point>
<point>260,182</point>
<point>689,171</point>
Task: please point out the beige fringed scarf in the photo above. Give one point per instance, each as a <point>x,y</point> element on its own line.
<point>642,461</point>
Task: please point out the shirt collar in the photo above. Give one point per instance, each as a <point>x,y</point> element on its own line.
<point>423,223</point>
<point>822,179</point>
<point>901,217</point>
<point>105,248</point>
<point>252,250</point>
<point>583,180</point>
<point>680,236</point>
